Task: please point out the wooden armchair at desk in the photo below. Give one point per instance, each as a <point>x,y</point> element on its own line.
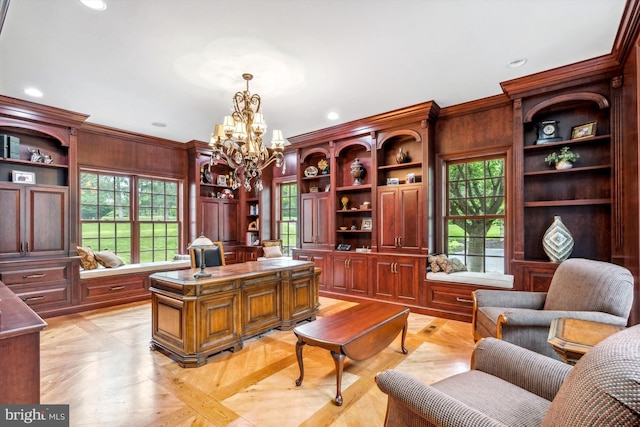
<point>213,257</point>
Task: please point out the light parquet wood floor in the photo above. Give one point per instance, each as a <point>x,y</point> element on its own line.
<point>99,362</point>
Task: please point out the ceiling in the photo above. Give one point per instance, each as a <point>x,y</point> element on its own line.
<point>179,62</point>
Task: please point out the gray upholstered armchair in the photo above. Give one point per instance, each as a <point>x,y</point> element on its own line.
<point>580,289</point>
<point>512,386</point>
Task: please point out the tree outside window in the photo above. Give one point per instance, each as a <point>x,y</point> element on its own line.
<point>476,213</point>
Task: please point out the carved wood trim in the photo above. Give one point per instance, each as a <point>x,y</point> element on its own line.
<point>62,134</point>
<point>392,134</point>
<point>571,97</point>
<point>628,31</point>
<point>31,111</point>
<point>568,75</point>
<point>400,117</point>
<point>475,106</point>
<point>618,162</point>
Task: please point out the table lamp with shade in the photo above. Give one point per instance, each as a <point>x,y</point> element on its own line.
<point>201,243</point>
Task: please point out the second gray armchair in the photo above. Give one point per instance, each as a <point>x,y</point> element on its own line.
<point>580,289</point>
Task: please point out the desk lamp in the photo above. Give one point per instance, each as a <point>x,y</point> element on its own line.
<point>201,243</point>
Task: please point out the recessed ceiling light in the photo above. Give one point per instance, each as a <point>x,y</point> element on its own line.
<point>517,63</point>
<point>32,91</point>
<point>95,4</point>
<point>159,124</point>
<point>333,116</point>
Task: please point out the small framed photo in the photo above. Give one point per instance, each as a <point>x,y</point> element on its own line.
<point>367,224</point>
<point>393,181</point>
<point>583,131</point>
<point>221,180</point>
<point>23,177</point>
<point>327,188</point>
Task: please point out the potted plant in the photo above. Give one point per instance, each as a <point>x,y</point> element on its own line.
<point>564,160</point>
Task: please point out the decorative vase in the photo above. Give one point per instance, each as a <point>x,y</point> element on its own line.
<point>357,171</point>
<point>564,164</point>
<point>557,241</point>
<point>401,156</point>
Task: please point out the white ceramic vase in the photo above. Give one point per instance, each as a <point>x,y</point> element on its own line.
<point>557,241</point>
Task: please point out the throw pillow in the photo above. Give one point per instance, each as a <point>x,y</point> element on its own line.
<point>108,259</point>
<point>272,251</point>
<point>87,258</point>
<point>451,265</point>
<point>434,262</point>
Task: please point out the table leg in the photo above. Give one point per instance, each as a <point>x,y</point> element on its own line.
<point>339,361</point>
<point>404,335</point>
<point>299,346</point>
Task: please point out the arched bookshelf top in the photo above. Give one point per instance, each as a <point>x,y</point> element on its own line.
<point>348,146</point>
<point>578,97</point>
<point>403,133</point>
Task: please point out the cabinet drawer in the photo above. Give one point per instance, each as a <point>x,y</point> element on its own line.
<point>450,298</point>
<point>230,257</point>
<point>112,288</point>
<point>35,275</point>
<point>58,295</point>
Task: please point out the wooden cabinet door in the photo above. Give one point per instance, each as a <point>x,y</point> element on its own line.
<point>397,278</point>
<point>35,220</point>
<point>409,214</point>
<point>229,221</point>
<point>210,210</point>
<point>11,223</point>
<point>407,278</point>
<point>400,218</point>
<point>322,219</point>
<point>384,283</point>
<point>387,209</point>
<point>47,220</point>
<point>358,282</point>
<point>339,272</point>
<point>321,260</point>
<point>220,220</point>
<point>315,216</point>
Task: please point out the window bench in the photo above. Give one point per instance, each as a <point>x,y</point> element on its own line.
<point>492,280</point>
<point>104,287</point>
<point>450,294</point>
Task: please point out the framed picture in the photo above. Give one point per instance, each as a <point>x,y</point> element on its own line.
<point>366,224</point>
<point>23,177</point>
<point>221,180</point>
<point>583,131</point>
<point>393,181</point>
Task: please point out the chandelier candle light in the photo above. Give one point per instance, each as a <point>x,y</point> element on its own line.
<point>238,141</point>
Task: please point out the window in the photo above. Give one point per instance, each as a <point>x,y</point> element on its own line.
<point>287,216</point>
<point>111,215</point>
<point>158,218</point>
<point>475,216</point>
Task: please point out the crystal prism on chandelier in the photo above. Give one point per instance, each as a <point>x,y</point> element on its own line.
<point>238,141</point>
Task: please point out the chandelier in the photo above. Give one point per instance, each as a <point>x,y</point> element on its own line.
<point>238,141</point>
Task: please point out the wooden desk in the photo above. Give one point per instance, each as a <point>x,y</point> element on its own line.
<point>358,332</point>
<point>572,338</point>
<point>20,330</point>
<point>193,319</point>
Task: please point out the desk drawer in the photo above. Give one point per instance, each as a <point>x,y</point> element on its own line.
<point>35,275</point>
<point>38,298</point>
